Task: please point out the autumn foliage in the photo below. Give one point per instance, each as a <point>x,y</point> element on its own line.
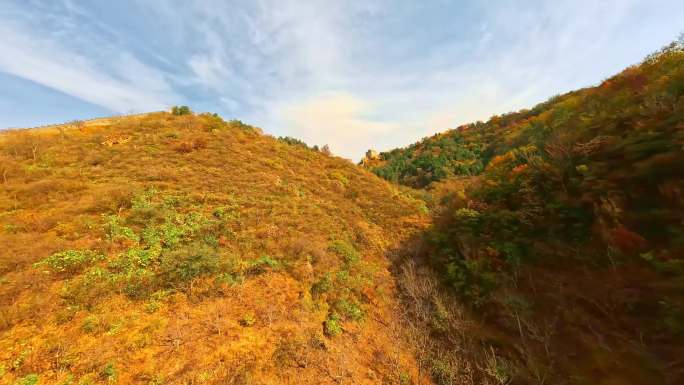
<point>178,248</point>
<point>562,225</point>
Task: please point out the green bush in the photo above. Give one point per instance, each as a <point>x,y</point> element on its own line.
<point>31,379</point>
<point>293,141</point>
<point>346,251</point>
<point>181,110</point>
<point>351,310</point>
<point>109,372</point>
<point>261,265</point>
<point>116,231</point>
<point>95,283</point>
<point>188,262</point>
<point>323,285</point>
<point>90,324</point>
<point>472,279</point>
<point>69,261</point>
<point>332,325</point>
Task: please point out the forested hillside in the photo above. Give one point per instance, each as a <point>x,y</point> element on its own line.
<point>562,228</point>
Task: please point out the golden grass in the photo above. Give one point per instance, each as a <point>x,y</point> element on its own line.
<point>284,201</point>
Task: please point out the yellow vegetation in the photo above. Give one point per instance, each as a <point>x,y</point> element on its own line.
<point>252,226</point>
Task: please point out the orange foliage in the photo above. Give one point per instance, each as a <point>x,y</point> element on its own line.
<point>627,241</point>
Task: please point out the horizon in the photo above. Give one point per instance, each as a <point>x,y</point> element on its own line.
<point>349,76</point>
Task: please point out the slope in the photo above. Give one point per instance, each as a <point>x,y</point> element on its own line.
<point>561,228</point>
<point>182,249</point>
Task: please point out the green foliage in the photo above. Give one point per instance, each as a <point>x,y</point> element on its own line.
<point>261,265</point>
<point>345,250</point>
<point>181,110</point>
<point>31,379</point>
<point>473,279</point>
<point>342,290</point>
<point>10,229</point>
<point>69,261</point>
<point>432,159</point>
<point>292,141</point>
<point>350,309</point>
<point>672,318</point>
<point>558,177</point>
<point>323,285</point>
<point>115,231</point>
<point>188,262</point>
<point>169,244</point>
<point>332,325</point>
<point>443,371</point>
<point>109,372</point>
<point>226,213</point>
<point>230,279</point>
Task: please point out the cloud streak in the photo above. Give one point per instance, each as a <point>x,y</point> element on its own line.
<point>353,75</point>
<point>119,81</point>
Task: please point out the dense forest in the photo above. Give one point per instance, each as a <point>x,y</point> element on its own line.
<point>561,226</point>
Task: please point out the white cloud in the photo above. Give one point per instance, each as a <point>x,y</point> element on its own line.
<point>120,82</point>
<point>398,70</point>
<point>335,118</point>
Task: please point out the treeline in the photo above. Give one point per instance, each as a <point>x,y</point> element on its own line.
<point>299,143</point>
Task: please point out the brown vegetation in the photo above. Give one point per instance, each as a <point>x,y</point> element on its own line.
<point>265,261</point>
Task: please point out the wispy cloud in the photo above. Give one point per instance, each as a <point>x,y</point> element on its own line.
<point>350,74</point>
<point>117,81</point>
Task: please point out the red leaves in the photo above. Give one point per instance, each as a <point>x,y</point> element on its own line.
<point>185,147</point>
<point>626,240</point>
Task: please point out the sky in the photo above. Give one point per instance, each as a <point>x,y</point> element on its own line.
<point>351,74</point>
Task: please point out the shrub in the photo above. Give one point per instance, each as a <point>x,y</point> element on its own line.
<point>109,372</point>
<point>346,251</point>
<point>181,110</point>
<point>185,147</point>
<point>332,325</point>
<point>31,379</point>
<point>116,231</point>
<point>230,279</point>
<point>444,371</point>
<point>350,309</point>
<point>69,261</point>
<point>225,213</point>
<point>292,141</point>
<point>472,279</point>
<point>262,265</point>
<point>187,263</point>
<point>323,285</point>
<point>87,288</point>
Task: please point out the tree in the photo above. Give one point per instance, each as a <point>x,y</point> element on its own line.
<point>181,110</point>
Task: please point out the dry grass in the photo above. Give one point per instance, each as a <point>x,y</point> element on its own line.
<point>259,326</point>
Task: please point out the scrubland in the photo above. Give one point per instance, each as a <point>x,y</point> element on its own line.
<point>182,249</point>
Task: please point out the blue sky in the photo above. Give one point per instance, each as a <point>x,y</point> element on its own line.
<point>355,75</point>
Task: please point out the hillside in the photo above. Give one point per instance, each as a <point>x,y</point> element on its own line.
<point>181,249</point>
<point>544,246</point>
<point>561,228</point>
